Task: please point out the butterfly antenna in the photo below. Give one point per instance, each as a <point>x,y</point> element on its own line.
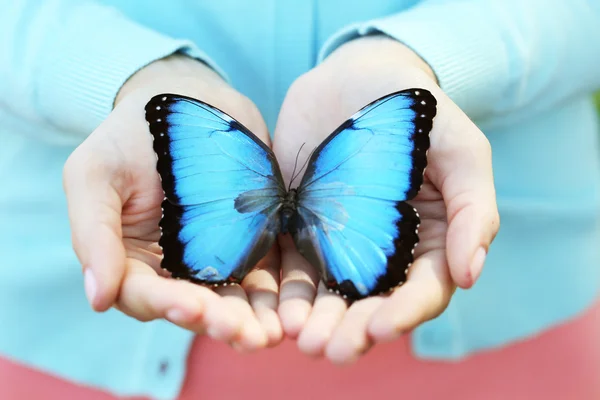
<point>307,160</point>
<point>303,166</point>
<point>295,165</point>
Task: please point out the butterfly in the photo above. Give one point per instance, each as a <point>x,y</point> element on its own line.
<point>225,198</point>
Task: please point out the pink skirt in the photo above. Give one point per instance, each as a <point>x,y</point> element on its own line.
<point>562,363</point>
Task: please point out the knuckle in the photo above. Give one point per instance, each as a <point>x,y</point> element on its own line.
<point>495,224</point>
<point>81,165</point>
<point>145,318</point>
<point>484,146</point>
<point>86,166</point>
<point>71,169</point>
<point>78,248</point>
<point>140,315</point>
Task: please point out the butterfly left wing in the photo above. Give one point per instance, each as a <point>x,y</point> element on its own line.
<point>222,191</point>
<point>352,220</point>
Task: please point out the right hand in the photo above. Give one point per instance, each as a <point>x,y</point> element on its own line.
<point>456,204</point>
<point>114,197</point>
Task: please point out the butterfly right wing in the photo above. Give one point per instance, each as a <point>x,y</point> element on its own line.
<point>223,191</point>
<point>353,220</point>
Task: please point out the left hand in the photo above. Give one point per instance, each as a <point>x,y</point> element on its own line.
<point>457,203</point>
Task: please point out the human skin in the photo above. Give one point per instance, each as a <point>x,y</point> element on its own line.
<point>114,198</point>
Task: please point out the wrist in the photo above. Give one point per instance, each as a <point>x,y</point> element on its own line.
<point>172,73</point>
<point>380,47</point>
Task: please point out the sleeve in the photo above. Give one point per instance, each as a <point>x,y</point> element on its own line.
<point>62,62</point>
<point>494,57</point>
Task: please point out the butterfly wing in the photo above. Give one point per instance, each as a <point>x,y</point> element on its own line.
<point>222,191</point>
<point>352,220</point>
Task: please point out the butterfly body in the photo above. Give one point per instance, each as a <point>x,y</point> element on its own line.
<point>226,202</point>
<point>288,211</point>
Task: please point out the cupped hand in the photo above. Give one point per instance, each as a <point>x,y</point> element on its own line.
<point>114,197</point>
<point>457,205</point>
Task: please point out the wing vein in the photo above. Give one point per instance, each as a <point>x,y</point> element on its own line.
<point>346,226</point>
<point>269,177</point>
<point>301,189</point>
<point>201,105</point>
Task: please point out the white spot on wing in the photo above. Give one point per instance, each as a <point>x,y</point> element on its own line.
<point>361,288</point>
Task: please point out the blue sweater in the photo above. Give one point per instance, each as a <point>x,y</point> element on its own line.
<point>522,70</point>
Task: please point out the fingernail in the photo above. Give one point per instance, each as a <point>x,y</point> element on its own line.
<point>212,332</point>
<point>176,316</point>
<point>477,263</point>
<point>90,284</point>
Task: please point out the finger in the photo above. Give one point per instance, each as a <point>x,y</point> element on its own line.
<point>350,339</point>
<point>432,235</point>
<point>298,288</point>
<point>462,169</point>
<point>234,306</point>
<point>262,288</point>
<point>424,296</point>
<point>146,296</point>
<point>95,216</point>
<point>149,253</point>
<point>326,314</point>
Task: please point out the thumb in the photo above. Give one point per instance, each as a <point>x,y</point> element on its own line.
<point>95,216</point>
<point>462,169</point>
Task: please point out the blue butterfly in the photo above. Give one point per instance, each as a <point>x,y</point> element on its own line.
<point>226,201</point>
